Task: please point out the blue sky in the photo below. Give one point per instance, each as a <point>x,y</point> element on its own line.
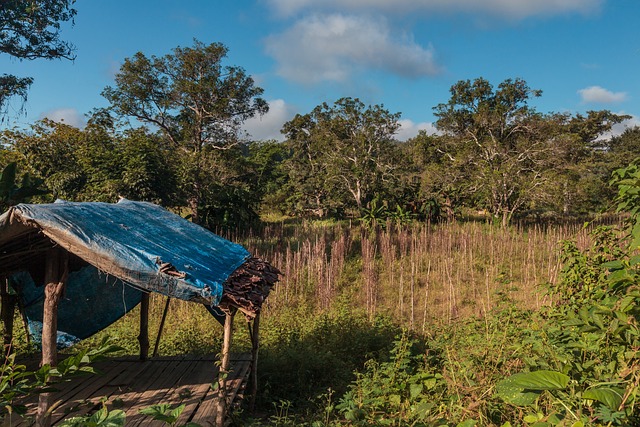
<point>404,54</point>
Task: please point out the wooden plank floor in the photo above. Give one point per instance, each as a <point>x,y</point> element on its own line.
<point>131,385</point>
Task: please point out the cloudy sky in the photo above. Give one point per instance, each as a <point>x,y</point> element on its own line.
<point>404,54</point>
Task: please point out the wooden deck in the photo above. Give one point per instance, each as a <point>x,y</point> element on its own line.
<point>131,385</point>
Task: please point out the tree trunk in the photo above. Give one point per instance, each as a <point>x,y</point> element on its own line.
<point>194,204</point>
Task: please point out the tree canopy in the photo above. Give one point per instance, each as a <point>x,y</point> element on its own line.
<point>196,101</point>
<point>509,151</point>
<point>30,29</point>
<point>345,149</point>
<point>494,155</point>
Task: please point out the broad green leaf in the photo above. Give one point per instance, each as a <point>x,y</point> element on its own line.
<point>116,418</point>
<point>467,423</point>
<point>531,418</point>
<point>613,265</point>
<point>540,380</point>
<point>415,390</point>
<point>611,397</point>
<point>514,394</point>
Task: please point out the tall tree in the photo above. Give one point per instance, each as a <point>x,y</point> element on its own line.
<point>30,29</point>
<point>581,165</point>
<point>501,138</point>
<point>348,145</point>
<point>196,101</point>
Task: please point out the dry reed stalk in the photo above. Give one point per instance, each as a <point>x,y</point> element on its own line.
<point>369,249</point>
<point>447,270</point>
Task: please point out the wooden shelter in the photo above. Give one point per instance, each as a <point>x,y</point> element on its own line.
<point>75,268</point>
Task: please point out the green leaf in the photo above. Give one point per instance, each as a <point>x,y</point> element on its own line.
<point>415,390</point>
<point>611,397</point>
<point>540,380</point>
<point>531,418</point>
<point>613,265</point>
<point>515,395</point>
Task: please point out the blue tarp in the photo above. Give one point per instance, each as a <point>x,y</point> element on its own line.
<point>125,243</point>
<point>92,301</point>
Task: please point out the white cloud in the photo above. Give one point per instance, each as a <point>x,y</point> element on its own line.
<point>508,9</point>
<point>269,125</point>
<point>597,94</point>
<point>619,128</point>
<point>68,116</point>
<point>335,47</point>
<point>409,129</point>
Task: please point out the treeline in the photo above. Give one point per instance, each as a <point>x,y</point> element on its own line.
<point>172,136</point>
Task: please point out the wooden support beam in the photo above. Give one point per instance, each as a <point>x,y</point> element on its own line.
<point>143,336</point>
<point>221,406</point>
<point>255,346</point>
<point>7,311</point>
<point>164,317</point>
<point>56,272</point>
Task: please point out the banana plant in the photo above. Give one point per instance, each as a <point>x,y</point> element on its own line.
<point>11,193</point>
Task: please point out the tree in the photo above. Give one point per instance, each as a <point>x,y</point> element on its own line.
<point>442,178</point>
<point>96,163</point>
<point>30,29</point>
<point>348,146</point>
<point>195,101</point>
<point>267,159</point>
<point>11,193</point>
<point>582,163</point>
<point>501,139</point>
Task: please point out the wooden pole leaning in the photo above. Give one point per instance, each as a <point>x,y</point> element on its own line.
<point>221,406</point>
<point>161,327</point>
<point>56,272</point>
<point>143,336</point>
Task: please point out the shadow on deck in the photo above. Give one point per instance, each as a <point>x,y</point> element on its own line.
<point>130,385</point>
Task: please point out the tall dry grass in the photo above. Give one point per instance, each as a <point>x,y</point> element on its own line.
<point>416,274</point>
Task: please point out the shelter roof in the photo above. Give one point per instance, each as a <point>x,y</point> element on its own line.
<point>117,252</point>
<point>139,243</point>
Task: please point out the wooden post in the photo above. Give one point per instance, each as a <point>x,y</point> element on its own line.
<point>164,317</point>
<point>56,272</point>
<point>143,337</point>
<point>221,408</point>
<point>255,346</point>
<point>6,312</point>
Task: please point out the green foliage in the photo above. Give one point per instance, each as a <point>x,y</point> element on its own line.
<point>402,391</point>
<point>198,104</point>
<point>342,156</point>
<point>31,30</point>
<point>16,381</point>
<point>101,418</point>
<point>593,340</point>
<point>11,193</point>
<point>167,414</point>
<point>303,355</point>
